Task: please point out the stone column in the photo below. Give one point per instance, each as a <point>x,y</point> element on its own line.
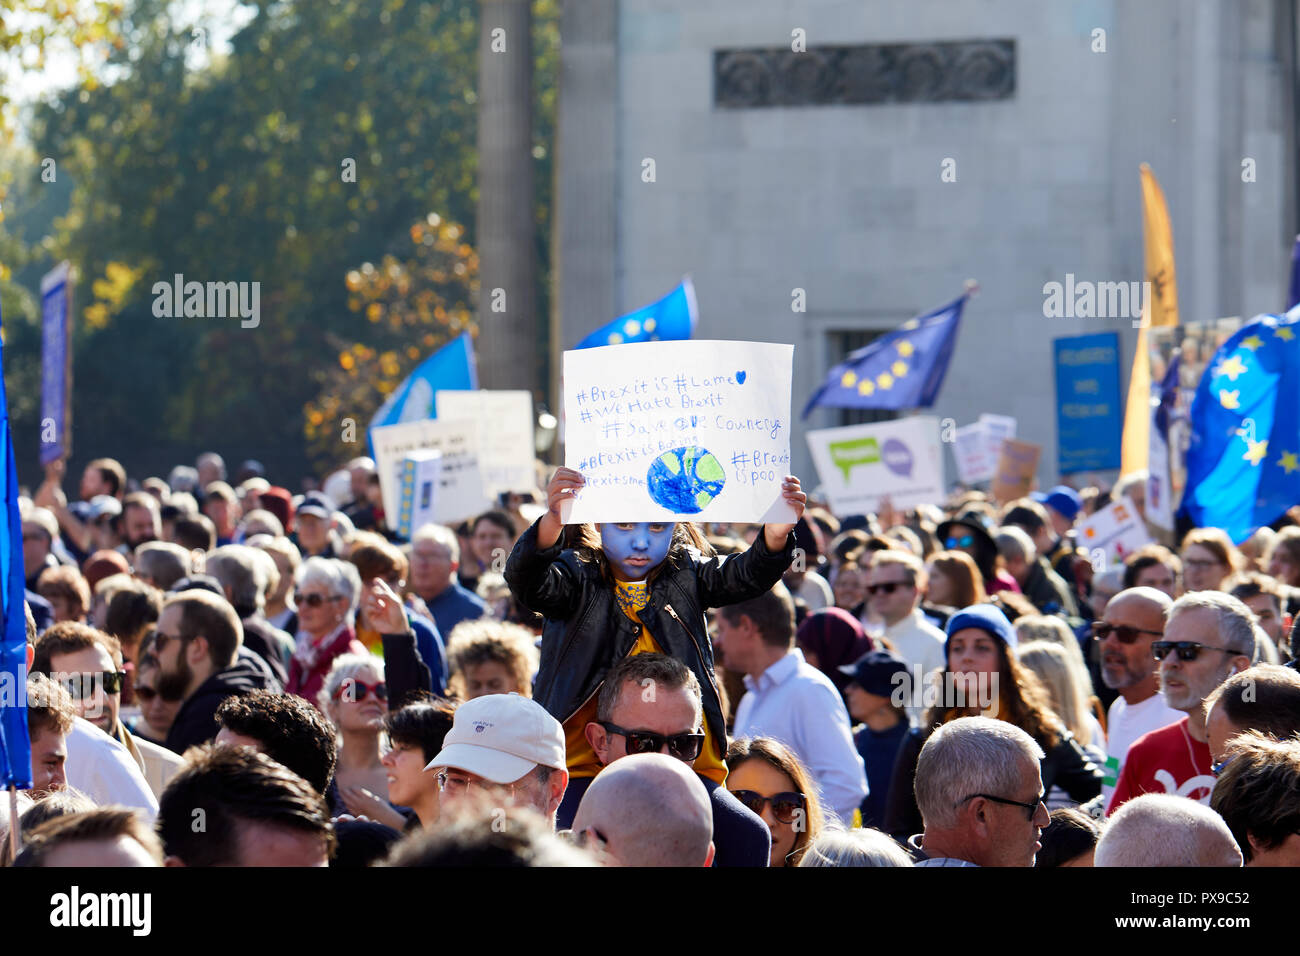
<point>507,310</point>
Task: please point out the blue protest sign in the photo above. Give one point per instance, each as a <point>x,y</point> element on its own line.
<point>1089,413</point>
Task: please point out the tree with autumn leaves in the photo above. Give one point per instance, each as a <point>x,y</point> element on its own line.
<point>413,306</point>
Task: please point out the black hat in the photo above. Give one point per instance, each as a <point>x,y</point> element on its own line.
<point>199,582</point>
<point>985,549</point>
<point>875,672</point>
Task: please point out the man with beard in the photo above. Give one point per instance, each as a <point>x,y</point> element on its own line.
<point>197,642</point>
<point>88,663</point>
<point>141,520</point>
<point>1209,636</point>
<point>1133,620</point>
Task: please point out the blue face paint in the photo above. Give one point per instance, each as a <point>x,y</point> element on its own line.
<point>635,549</point>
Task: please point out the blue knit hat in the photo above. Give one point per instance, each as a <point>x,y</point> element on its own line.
<point>986,617</point>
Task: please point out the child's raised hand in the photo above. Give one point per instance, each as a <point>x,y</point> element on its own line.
<point>774,535</point>
<point>564,485</point>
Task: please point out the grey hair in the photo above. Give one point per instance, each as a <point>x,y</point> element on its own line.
<point>1160,829</point>
<point>238,567</point>
<point>861,847</point>
<point>163,562</point>
<point>339,578</point>
<point>440,534</point>
<point>966,756</point>
<point>1014,543</point>
<point>346,667</point>
<point>1235,624</point>
<point>260,516</point>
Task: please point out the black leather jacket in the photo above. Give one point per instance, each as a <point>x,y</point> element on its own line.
<point>586,634</point>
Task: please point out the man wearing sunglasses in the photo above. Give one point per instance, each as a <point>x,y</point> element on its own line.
<point>88,664</point>
<point>979,788</point>
<point>896,582</point>
<point>1133,620</point>
<point>651,703</point>
<point>1209,636</point>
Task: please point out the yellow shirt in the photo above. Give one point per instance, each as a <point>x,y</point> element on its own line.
<point>580,757</point>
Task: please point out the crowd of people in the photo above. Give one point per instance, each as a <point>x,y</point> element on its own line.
<point>223,672</point>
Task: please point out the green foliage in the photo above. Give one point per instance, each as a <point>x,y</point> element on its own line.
<point>234,172</point>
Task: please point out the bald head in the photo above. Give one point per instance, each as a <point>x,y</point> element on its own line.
<point>1130,668</point>
<point>1158,829</point>
<point>651,810</point>
<point>1147,602</point>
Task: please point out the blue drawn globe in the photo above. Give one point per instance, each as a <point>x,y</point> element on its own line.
<point>685,480</point>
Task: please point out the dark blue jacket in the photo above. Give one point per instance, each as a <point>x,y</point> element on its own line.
<point>740,837</point>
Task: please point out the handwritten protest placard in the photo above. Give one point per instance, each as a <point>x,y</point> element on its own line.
<point>505,435</point>
<point>688,430</point>
<point>1016,469</point>
<point>971,451</point>
<point>997,429</point>
<point>460,492</point>
<point>860,464</point>
<point>1117,530</point>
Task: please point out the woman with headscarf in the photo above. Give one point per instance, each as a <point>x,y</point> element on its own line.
<point>830,639</point>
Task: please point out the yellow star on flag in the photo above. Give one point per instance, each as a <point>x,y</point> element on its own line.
<point>865,387</point>
<point>1258,449</point>
<point>906,348</point>
<point>632,327</point>
<point>1229,399</point>
<point>1232,367</point>
<point>848,379</point>
<point>1285,334</point>
<point>1289,461</point>
<point>884,380</point>
<point>899,369</point>
<point>1252,343</point>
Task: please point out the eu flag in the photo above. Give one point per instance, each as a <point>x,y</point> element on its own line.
<point>670,319</point>
<point>902,369</point>
<point>15,748</point>
<point>1243,462</point>
<point>450,368</point>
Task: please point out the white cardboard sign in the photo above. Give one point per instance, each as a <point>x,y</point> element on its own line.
<point>1117,530</point>
<point>505,435</point>
<point>686,430</point>
<point>860,464</point>
<point>460,492</point>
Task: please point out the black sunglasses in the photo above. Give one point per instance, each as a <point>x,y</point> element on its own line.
<point>785,806</point>
<point>1123,632</point>
<point>889,587</point>
<point>1187,650</point>
<point>685,746</point>
<point>313,600</point>
<point>85,685</point>
<point>1029,808</point>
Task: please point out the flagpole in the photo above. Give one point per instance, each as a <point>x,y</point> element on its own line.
<point>13,824</point>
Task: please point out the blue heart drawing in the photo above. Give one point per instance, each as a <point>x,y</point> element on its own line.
<point>740,378</point>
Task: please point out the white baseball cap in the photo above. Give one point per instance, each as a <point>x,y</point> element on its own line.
<point>501,737</point>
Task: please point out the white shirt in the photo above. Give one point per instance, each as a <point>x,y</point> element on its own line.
<point>1126,723</point>
<point>797,704</point>
<point>105,771</point>
<point>920,644</point>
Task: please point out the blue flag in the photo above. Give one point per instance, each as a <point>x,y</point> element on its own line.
<point>1293,298</point>
<point>451,368</point>
<point>1243,462</point>
<point>671,318</point>
<point>15,748</point>
<point>901,369</point>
